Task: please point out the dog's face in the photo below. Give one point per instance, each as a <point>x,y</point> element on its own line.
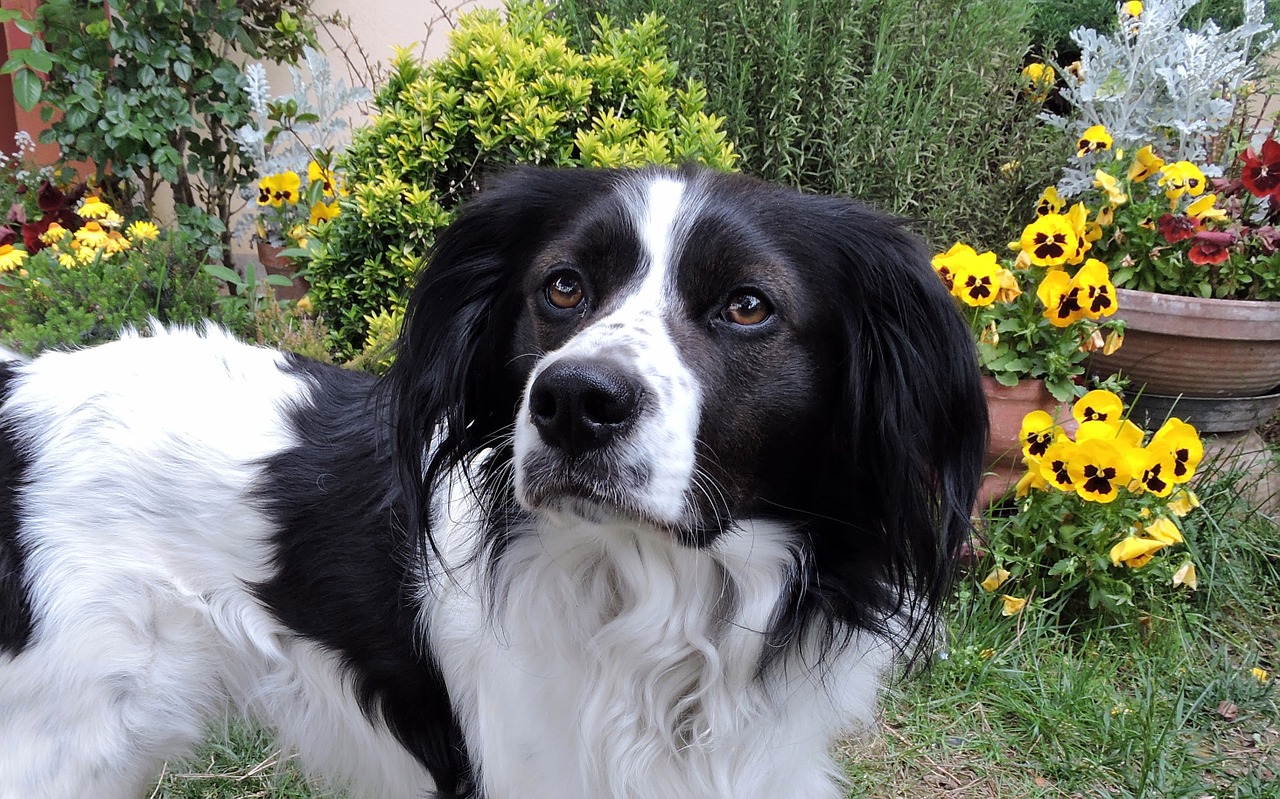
<point>671,352</point>
<point>680,350</point>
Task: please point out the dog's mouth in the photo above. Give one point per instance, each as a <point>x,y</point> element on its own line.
<point>595,487</point>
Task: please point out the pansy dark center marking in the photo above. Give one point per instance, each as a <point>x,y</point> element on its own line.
<point>1100,299</point>
<point>1069,304</point>
<point>1152,480</point>
<point>1092,414</point>
<point>1060,474</point>
<point>1050,245</point>
<point>978,287</point>
<point>1181,457</point>
<point>1098,480</point>
<point>1038,443</point>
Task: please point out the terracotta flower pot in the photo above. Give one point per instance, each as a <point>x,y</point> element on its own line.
<point>1006,406</point>
<point>275,264</point>
<point>1196,347</point>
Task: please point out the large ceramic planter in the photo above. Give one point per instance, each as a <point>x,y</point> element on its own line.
<point>1196,347</point>
<point>275,264</point>
<point>1006,406</point>
<point>1215,363</point>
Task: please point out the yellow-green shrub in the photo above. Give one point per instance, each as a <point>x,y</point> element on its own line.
<point>507,91</point>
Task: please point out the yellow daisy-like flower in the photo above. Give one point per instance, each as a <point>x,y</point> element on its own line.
<point>112,220</point>
<point>1050,202</point>
<point>142,231</point>
<point>1145,164</point>
<point>1038,433</point>
<point>977,280</point>
<point>1012,605</point>
<point>92,235</point>
<point>1094,140</point>
<point>11,258</point>
<point>94,208</point>
<point>1110,185</point>
<point>276,190</point>
<point>1135,552</point>
<point>1098,470</point>
<point>68,260</point>
<point>1184,442</point>
<point>54,235</point>
<point>995,579</point>
<point>1054,466</point>
<point>116,242</point>
<point>323,212</point>
<point>1182,177</point>
<point>1185,576</point>
<point>1051,240</point>
<point>1098,406</point>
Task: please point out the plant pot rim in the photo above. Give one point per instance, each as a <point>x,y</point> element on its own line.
<point>1239,320</point>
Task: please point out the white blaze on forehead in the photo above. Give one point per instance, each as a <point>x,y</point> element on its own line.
<point>636,335</point>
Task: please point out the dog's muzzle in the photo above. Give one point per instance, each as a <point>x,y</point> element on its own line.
<point>579,405</point>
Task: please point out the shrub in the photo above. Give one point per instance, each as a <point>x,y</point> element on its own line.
<point>506,91</point>
<point>45,304</point>
<point>913,107</point>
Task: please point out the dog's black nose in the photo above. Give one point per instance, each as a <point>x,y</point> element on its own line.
<point>579,406</point>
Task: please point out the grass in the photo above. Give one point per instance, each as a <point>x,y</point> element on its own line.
<point>1164,705</point>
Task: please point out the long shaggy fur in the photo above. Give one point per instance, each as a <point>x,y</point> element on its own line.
<point>669,468</point>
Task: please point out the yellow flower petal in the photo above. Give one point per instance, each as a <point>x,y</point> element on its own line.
<point>1012,605</point>
<point>995,579</point>
<point>1135,552</point>
<point>1185,576</point>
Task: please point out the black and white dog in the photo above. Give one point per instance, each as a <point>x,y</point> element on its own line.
<point>671,464</point>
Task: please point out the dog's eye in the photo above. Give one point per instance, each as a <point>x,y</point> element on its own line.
<point>746,307</point>
<point>564,289</point>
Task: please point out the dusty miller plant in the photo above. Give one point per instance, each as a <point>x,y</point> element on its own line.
<point>287,133</point>
<point>1154,82</point>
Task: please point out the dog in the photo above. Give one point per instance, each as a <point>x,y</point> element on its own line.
<point>668,474</point>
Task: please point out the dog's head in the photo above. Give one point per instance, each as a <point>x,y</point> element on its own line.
<point>679,350</point>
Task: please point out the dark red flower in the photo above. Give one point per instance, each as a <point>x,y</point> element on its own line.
<point>1211,247</point>
<point>8,236</point>
<point>1261,173</point>
<point>1176,228</point>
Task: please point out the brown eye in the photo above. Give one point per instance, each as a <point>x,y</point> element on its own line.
<point>564,289</point>
<point>746,308</point>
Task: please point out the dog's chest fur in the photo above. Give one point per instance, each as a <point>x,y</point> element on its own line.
<point>605,661</point>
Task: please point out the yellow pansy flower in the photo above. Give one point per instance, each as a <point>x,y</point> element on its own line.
<point>1050,202</point>
<point>278,189</point>
<point>1012,605</point>
<point>1098,470</point>
<point>1054,465</point>
<point>1152,470</point>
<point>1038,432</point>
<point>1145,164</point>
<point>318,174</point>
<point>1184,442</point>
<point>1038,81</point>
<point>1033,480</point>
<point>945,264</point>
<point>1051,240</point>
<point>1132,8</point>
<point>1009,290</point>
<point>1098,406</point>
<point>1061,299</point>
<point>1135,552</point>
<point>977,280</point>
<point>995,579</point>
<point>1163,530</point>
<point>1097,293</point>
<point>11,257</point>
<point>1078,218</point>
<point>1181,177</point>
<point>1110,185</point>
<point>1185,576</point>
<point>1203,209</point>
<point>1183,502</point>
<point>1094,140</point>
<point>323,212</point>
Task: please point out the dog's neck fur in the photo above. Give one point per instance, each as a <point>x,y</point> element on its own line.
<point>631,664</point>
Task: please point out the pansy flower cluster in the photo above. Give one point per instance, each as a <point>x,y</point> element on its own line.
<point>1100,501</point>
<point>1040,315</point>
<point>1165,227</point>
<point>288,206</point>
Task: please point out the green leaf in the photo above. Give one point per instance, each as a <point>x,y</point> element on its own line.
<point>182,70</point>
<point>27,88</point>
<point>224,274</point>
<point>279,280</point>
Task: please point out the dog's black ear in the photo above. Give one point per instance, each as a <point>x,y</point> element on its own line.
<point>910,428</point>
<point>456,382</point>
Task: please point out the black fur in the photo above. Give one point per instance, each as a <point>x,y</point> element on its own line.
<point>16,623</point>
<point>343,559</point>
<point>876,424</point>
